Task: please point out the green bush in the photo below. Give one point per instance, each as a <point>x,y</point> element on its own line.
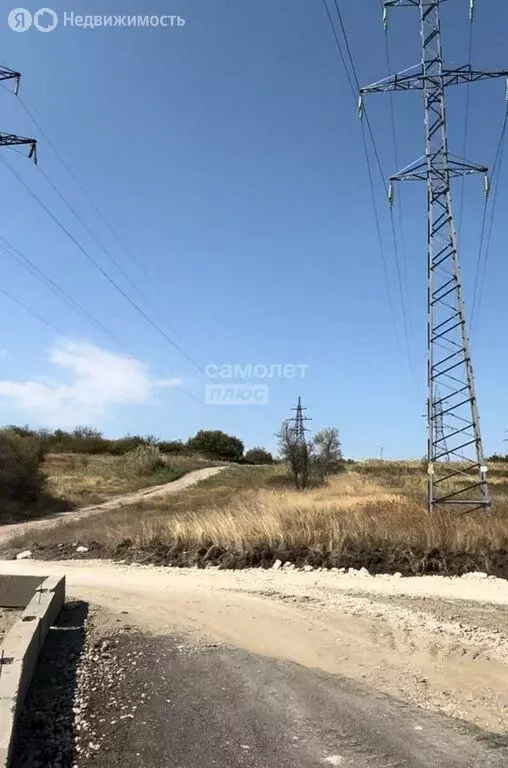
<point>21,479</point>
<point>215,444</point>
<point>258,456</point>
<point>143,460</point>
<point>173,446</point>
<point>125,444</point>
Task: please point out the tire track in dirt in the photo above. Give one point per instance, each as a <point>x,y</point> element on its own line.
<point>337,623</point>
<point>8,532</point>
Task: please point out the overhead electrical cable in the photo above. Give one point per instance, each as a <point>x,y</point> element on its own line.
<point>397,166</point>
<point>482,264</point>
<point>31,311</point>
<point>466,128</point>
<point>26,263</point>
<point>107,221</point>
<point>96,264</point>
<point>105,250</point>
<point>355,91</point>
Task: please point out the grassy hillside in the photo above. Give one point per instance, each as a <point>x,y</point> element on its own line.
<point>82,480</point>
<point>374,515</point>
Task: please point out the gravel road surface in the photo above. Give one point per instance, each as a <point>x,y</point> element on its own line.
<point>437,643</point>
<point>107,695</point>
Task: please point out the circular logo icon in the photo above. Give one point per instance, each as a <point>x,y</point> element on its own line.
<point>45,19</point>
<point>20,19</point>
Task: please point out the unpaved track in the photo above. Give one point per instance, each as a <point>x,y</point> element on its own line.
<point>436,642</point>
<point>8,532</point>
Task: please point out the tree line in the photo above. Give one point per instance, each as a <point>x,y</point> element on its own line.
<point>213,444</point>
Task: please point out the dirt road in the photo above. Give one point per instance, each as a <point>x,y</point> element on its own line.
<point>191,478</point>
<point>434,642</point>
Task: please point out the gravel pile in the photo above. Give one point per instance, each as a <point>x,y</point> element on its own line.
<point>45,732</point>
<point>101,700</point>
<point>75,691</point>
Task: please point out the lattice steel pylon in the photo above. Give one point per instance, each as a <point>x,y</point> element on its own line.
<point>10,139</point>
<point>298,427</point>
<point>463,482</point>
<point>439,426</point>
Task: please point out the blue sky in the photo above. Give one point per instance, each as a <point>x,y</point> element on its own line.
<point>228,156</point>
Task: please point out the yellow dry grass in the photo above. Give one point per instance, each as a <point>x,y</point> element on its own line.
<point>372,508</point>
<point>82,480</point>
<point>352,512</point>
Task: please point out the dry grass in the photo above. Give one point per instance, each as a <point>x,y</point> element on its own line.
<point>83,480</point>
<point>374,510</point>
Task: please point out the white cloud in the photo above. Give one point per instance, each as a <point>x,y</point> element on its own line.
<point>96,381</point>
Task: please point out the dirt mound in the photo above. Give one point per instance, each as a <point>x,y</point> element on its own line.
<point>407,563</point>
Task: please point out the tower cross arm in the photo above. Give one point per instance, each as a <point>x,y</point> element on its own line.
<point>10,74</point>
<point>455,167</point>
<point>11,140</point>
<point>415,78</point>
<point>407,3</point>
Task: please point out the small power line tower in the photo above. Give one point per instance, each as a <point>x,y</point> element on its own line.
<point>439,427</point>
<point>464,482</point>
<point>298,422</point>
<point>10,139</point>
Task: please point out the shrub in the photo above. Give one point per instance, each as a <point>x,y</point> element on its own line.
<point>258,456</point>
<point>125,444</point>
<point>215,444</point>
<point>21,479</point>
<point>143,460</point>
<point>173,446</point>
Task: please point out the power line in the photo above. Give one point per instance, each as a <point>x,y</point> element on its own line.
<point>355,93</point>
<point>100,213</point>
<point>496,174</point>
<point>339,49</point>
<point>27,264</point>
<point>31,311</point>
<point>369,171</point>
<point>466,129</point>
<point>11,140</point>
<point>396,161</point>
<point>96,264</point>
<point>357,82</point>
<point>378,231</point>
<point>402,292</point>
<point>102,247</point>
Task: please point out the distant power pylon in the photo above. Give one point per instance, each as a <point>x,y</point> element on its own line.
<point>298,422</point>
<point>439,427</point>
<point>449,356</point>
<point>10,139</point>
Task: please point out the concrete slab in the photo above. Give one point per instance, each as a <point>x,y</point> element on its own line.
<point>22,645</point>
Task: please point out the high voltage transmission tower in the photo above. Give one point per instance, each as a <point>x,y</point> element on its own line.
<point>464,482</point>
<point>439,427</point>
<point>9,139</point>
<point>298,427</point>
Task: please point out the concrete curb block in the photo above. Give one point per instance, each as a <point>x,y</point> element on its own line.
<point>42,600</point>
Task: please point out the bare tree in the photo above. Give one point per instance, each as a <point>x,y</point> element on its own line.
<point>296,452</point>
<point>328,458</point>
